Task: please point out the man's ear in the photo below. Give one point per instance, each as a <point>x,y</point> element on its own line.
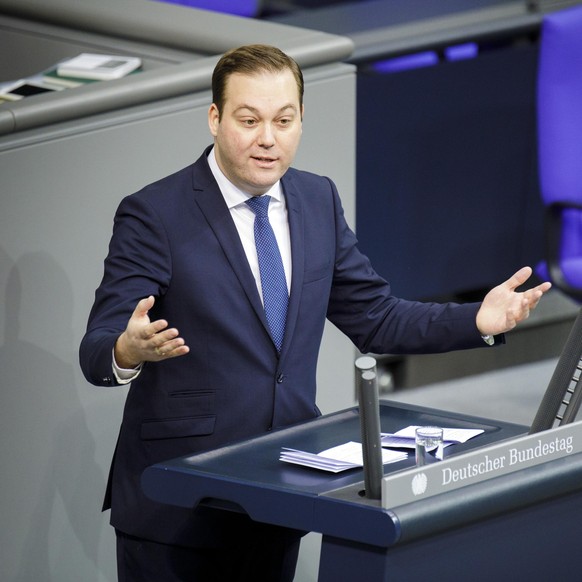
<point>213,119</point>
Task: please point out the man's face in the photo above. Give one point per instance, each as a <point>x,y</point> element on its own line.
<point>256,137</point>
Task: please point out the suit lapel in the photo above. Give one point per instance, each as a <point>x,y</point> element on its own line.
<point>295,217</point>
<point>216,213</point>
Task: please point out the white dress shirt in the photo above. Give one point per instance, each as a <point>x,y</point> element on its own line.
<point>244,220</point>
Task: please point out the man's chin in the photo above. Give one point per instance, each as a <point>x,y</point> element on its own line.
<point>264,181</point>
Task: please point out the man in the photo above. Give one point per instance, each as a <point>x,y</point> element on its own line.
<point>183,253</point>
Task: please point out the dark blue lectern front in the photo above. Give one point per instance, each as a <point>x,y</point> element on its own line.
<point>508,528</point>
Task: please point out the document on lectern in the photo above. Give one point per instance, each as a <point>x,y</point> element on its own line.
<point>337,459</point>
<point>405,438</point>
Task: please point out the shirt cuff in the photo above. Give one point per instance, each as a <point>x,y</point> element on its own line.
<point>494,340</point>
<point>125,375</point>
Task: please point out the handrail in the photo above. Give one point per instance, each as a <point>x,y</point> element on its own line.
<point>168,24</point>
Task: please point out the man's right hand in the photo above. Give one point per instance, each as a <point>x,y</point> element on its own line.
<point>145,341</point>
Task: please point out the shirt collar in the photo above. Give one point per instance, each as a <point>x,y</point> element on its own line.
<point>234,196</point>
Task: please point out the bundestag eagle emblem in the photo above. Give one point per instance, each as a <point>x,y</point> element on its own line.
<point>419,483</point>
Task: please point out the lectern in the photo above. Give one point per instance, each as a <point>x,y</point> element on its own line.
<point>510,527</point>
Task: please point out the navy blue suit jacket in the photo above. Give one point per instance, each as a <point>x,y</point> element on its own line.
<point>176,240</point>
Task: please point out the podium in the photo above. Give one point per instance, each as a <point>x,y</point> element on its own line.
<point>510,527</point>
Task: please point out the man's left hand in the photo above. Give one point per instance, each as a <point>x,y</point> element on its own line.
<point>503,307</point>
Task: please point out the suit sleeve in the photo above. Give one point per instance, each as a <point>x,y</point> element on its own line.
<point>137,265</point>
<point>363,307</point>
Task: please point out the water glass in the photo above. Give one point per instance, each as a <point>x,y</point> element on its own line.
<point>428,439</point>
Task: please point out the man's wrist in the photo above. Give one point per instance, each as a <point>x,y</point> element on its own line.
<point>120,357</point>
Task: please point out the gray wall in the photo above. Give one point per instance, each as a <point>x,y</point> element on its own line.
<point>59,187</point>
<point>66,160</point>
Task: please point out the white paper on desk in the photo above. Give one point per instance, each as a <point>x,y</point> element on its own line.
<point>339,458</point>
<point>405,438</point>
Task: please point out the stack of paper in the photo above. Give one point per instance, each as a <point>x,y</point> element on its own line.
<point>98,67</point>
<point>405,438</point>
<point>336,459</point>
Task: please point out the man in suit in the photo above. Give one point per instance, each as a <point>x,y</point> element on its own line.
<point>183,253</point>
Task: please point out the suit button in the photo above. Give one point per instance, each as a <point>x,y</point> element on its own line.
<point>280,379</point>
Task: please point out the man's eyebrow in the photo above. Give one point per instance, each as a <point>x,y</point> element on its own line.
<point>256,111</point>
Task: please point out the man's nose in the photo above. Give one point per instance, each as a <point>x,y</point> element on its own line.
<point>267,136</point>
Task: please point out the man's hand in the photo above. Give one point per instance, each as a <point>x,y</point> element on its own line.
<point>145,341</point>
<point>503,307</point>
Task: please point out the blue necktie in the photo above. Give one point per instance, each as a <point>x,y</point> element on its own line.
<point>273,283</point>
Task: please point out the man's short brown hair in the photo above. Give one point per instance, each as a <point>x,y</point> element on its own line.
<point>249,60</point>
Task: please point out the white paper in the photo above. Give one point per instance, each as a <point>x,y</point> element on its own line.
<point>98,67</point>
<point>405,438</point>
<point>339,458</point>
